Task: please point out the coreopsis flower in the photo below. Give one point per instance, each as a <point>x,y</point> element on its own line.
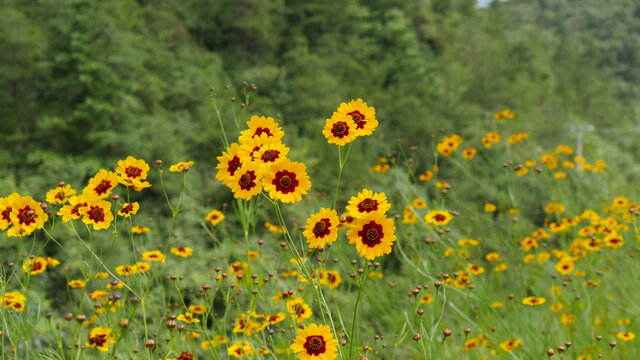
<point>102,275</point>
<point>60,195</point>
<point>426,299</point>
<point>330,278</point>
<point>228,164</point>
<point>419,203</point>
<point>197,309</point>
<point>373,235</point>
<point>489,207</point>
<point>362,115</point>
<point>127,209</point>
<point>139,229</point>
<point>183,251</point>
<point>14,300</point>
<point>5,210</point>
<point>271,153</point>
<point>486,142</point>
<point>298,309</point>
<point>438,217</point>
<point>339,129</point>
<point>315,342</point>
<point>240,349</point>
<point>322,228</point>
<point>468,242</point>
<point>97,213</point>
<point>273,228</point>
<point>475,269</point>
<point>567,319</point>
<point>533,301</point>
<point>613,240</point>
<point>74,209</point>
<point>261,125</point>
<point>287,181</point>
<point>469,153</point>
<point>77,283</point>
<point>493,137</point>
<point>504,114</point>
<point>247,181</point>
<point>115,286</point>
<point>188,318</point>
<point>142,266</point>
<point>426,176</point>
<point>100,338</point>
<point>626,335</point>
<point>153,255</point>
<point>185,355</point>
<point>214,217</point>
<point>26,216</point>
<point>181,166</point>
<point>509,345</point>
<point>101,184</point>
<point>98,295</point>
<point>126,270</point>
<point>275,318</point>
<point>35,266</point>
<point>367,202</point>
<point>132,173</point>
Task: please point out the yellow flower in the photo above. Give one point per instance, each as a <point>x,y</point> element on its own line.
<point>258,126</point>
<point>521,171</point>
<point>530,163</point>
<point>418,203</point>
<point>322,228</point>
<point>438,217</point>
<point>74,209</point>
<point>533,301</point>
<point>509,345</point>
<point>489,207</point>
<point>247,181</point>
<point>100,338</point>
<point>626,335</point>
<point>543,257</point>
<point>493,137</point>
<point>492,256</point>
<point>101,184</point>
<point>557,307</point>
<point>613,240</point>
<point>298,309</point>
<point>497,304</point>
<point>228,164</point>
<point>126,270</point>
<point>138,229</point>
<point>287,181</point>
<point>271,153</point>
<point>475,269</point>
<point>315,342</point>
<point>468,242</point>
<point>566,319</point>
<point>188,318</point>
<point>26,216</point>
<point>331,278</point>
<point>426,176</point>
<point>181,166</point>
<point>127,209</point>
<point>214,217</point>
<point>132,173</point>
<point>154,255</point>
<point>339,129</point>
<point>35,266</point>
<point>500,268</point>
<point>373,235</point>
<point>97,213</point>
<point>426,299</point>
<point>625,321</point>
<point>367,202</point>
<point>77,283</point>
<point>60,195</point>
<point>469,153</point>
<point>183,251</point>
<point>363,116</point>
<point>240,349</point>
<point>197,309</point>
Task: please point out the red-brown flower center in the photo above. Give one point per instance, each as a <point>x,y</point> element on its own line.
<point>98,340</point>
<point>36,266</point>
<point>270,155</point>
<point>5,214</point>
<point>315,345</point>
<point>358,118</point>
<point>127,208</point>
<point>371,234</point>
<point>368,205</point>
<point>340,129</point>
<point>260,131</point>
<point>60,195</point>
<point>104,186</point>
<point>247,180</point>
<point>26,216</point>
<point>133,172</point>
<point>185,356</point>
<point>96,214</point>
<point>76,208</point>
<point>285,181</point>
<point>321,228</point>
<point>233,165</point>
<point>439,218</point>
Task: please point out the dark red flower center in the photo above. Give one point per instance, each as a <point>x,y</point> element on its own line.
<point>98,340</point>
<point>315,345</point>
<point>322,228</point>
<point>439,218</point>
<point>127,208</point>
<point>36,266</point>
<point>340,129</point>
<point>133,172</point>
<point>358,118</point>
<point>285,181</point>
<point>96,214</point>
<point>371,234</point>
<point>5,214</point>
<point>260,131</point>
<point>247,180</point>
<point>368,205</point>
<point>76,208</point>
<point>233,165</point>
<point>185,356</point>
<point>104,186</point>
<point>60,195</point>
<point>26,216</point>
<point>270,155</point>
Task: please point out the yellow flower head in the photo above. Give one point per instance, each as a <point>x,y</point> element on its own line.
<point>315,342</point>
<point>26,216</point>
<point>438,217</point>
<point>287,181</point>
<point>183,251</point>
<point>322,228</point>
<point>363,116</point>
<point>339,129</point>
<point>240,349</point>
<point>35,266</point>
<point>298,309</point>
<point>228,164</point>
<point>101,184</point>
<point>60,195</point>
<point>247,181</point>
<point>367,202</point>
<point>127,209</point>
<point>258,126</point>
<point>469,153</point>
<point>97,213</point>
<point>5,210</point>
<point>100,338</point>
<point>533,301</point>
<point>181,166</point>
<point>77,283</point>
<point>373,235</point>
<point>153,255</point>
<point>132,173</point>
<point>214,217</point>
